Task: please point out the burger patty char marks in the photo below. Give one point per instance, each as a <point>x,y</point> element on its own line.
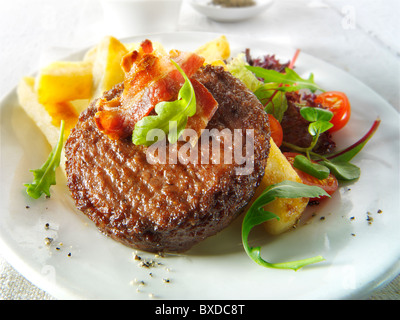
<point>165,207</point>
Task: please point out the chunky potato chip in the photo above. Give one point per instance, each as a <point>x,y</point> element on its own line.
<point>214,50</point>
<point>46,116</point>
<point>289,210</point>
<point>107,70</point>
<point>63,81</point>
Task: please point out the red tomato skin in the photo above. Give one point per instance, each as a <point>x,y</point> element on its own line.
<point>276,130</point>
<point>330,184</point>
<point>338,103</point>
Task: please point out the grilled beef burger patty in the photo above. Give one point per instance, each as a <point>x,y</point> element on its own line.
<point>166,207</point>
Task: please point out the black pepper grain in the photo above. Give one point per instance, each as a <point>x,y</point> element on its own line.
<point>369,218</point>
<point>48,240</point>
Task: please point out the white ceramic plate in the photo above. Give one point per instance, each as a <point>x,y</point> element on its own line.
<point>224,14</point>
<point>359,256</point>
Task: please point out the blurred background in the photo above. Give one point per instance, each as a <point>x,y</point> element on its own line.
<point>360,37</point>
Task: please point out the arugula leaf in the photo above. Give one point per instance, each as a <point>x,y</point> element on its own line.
<point>46,175</point>
<point>171,116</point>
<point>257,215</point>
<point>290,78</point>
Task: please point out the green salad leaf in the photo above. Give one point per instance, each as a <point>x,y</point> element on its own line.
<point>274,101</point>
<point>257,215</point>
<point>237,67</point>
<point>171,116</point>
<point>315,169</point>
<point>313,114</point>
<point>319,122</point>
<point>291,80</point>
<point>45,176</point>
<point>342,170</point>
<point>338,163</point>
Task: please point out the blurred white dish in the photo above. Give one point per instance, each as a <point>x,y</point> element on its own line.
<point>224,14</point>
<point>132,17</point>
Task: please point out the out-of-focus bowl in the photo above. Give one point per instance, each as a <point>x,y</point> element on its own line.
<point>132,17</point>
<point>229,14</point>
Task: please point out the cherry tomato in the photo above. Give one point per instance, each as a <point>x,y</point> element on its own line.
<point>329,184</point>
<point>338,103</point>
<point>276,130</point>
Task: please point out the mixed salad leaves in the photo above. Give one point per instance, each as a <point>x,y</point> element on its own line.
<point>331,113</point>
<point>320,173</point>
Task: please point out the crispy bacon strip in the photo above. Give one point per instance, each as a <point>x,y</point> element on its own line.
<point>149,79</point>
<point>206,106</point>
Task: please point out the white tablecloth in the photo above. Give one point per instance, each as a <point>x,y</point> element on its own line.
<point>360,37</point>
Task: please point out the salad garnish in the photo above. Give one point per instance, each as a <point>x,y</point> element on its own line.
<point>329,111</point>
<point>337,162</point>
<point>45,176</point>
<point>257,215</point>
<point>290,79</point>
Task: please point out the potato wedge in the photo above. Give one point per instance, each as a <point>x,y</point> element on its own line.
<point>289,210</point>
<point>63,81</point>
<point>107,70</point>
<point>214,50</point>
<point>46,116</point>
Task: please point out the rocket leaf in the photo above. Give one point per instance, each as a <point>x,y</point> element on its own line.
<point>291,80</point>
<point>257,215</point>
<point>45,176</point>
